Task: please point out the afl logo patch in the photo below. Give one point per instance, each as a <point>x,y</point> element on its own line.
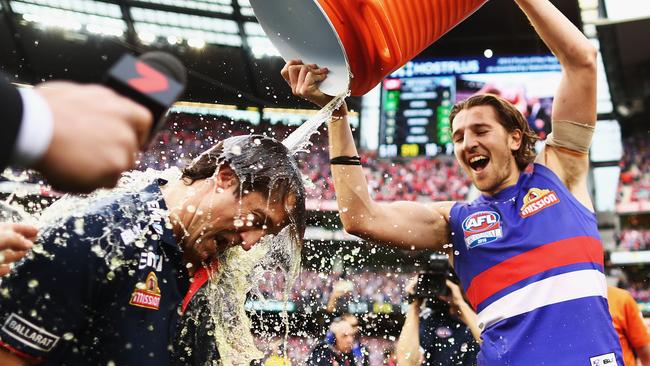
<point>536,200</point>
<point>481,228</point>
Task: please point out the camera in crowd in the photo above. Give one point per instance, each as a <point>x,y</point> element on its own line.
<point>432,280</point>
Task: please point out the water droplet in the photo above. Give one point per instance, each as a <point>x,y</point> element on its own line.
<point>33,283</point>
<point>68,336</point>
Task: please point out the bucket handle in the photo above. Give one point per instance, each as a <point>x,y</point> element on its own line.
<point>385,39</point>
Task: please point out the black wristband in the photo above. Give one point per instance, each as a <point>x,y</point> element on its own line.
<point>346,160</point>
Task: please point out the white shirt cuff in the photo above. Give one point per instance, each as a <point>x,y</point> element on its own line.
<point>36,129</point>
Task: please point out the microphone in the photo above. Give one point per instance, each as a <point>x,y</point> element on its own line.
<point>155,80</point>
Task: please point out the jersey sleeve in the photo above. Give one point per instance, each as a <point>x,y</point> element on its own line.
<point>637,332</point>
<point>45,301</point>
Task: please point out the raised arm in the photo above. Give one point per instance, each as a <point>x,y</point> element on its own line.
<point>574,106</point>
<point>403,224</point>
<point>407,348</point>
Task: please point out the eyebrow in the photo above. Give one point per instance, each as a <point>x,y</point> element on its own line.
<point>479,125</point>
<point>473,126</point>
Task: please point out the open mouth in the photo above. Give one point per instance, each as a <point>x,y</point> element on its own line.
<point>479,162</point>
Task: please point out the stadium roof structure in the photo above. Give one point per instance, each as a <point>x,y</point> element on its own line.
<point>229,58</point>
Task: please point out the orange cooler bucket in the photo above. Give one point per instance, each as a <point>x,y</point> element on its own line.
<point>359,41</point>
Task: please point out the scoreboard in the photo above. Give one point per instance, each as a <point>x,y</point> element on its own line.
<point>417,99</point>
<point>415,116</point>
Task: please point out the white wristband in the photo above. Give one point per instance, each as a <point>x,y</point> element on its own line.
<point>36,129</point>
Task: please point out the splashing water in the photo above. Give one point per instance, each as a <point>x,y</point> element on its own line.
<point>299,140</point>
<point>240,273</point>
<point>71,208</point>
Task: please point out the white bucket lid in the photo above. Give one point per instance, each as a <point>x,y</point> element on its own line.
<point>300,29</point>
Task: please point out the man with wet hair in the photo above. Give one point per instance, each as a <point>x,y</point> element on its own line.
<point>527,251</point>
<point>104,286</point>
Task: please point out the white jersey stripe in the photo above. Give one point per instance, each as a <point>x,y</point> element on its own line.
<point>552,290</point>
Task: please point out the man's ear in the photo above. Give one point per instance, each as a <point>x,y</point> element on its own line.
<point>515,139</point>
<point>226,178</point>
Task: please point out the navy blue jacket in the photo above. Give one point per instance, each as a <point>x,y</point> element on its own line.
<point>105,287</point>
<point>446,340</point>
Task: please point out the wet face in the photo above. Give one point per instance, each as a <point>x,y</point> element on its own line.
<point>216,218</point>
<point>484,149</point>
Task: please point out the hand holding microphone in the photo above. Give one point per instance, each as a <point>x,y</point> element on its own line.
<point>98,130</point>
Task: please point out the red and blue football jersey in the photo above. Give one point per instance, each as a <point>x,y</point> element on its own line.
<point>531,261</point>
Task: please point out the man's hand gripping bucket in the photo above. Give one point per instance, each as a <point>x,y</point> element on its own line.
<point>359,41</point>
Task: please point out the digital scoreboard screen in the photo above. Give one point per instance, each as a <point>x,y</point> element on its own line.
<point>417,99</point>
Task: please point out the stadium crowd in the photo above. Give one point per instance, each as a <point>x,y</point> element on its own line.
<point>635,170</point>
<point>416,179</point>
<point>633,239</point>
<point>316,287</point>
<point>300,347</point>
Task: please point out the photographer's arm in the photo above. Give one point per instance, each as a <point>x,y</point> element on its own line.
<point>465,312</point>
<point>337,292</point>
<point>408,345</point>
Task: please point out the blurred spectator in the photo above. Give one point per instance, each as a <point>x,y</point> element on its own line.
<point>359,351</point>
<point>277,356</point>
<point>337,349</point>
<point>299,348</point>
<point>639,291</point>
<point>634,185</point>
<point>633,239</point>
<point>443,332</point>
<point>628,322</point>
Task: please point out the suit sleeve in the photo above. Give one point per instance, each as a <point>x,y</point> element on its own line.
<point>11,106</point>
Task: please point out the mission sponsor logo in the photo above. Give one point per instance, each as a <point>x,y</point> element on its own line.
<point>536,200</point>
<point>481,228</point>
<point>29,334</point>
<point>147,295</point>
